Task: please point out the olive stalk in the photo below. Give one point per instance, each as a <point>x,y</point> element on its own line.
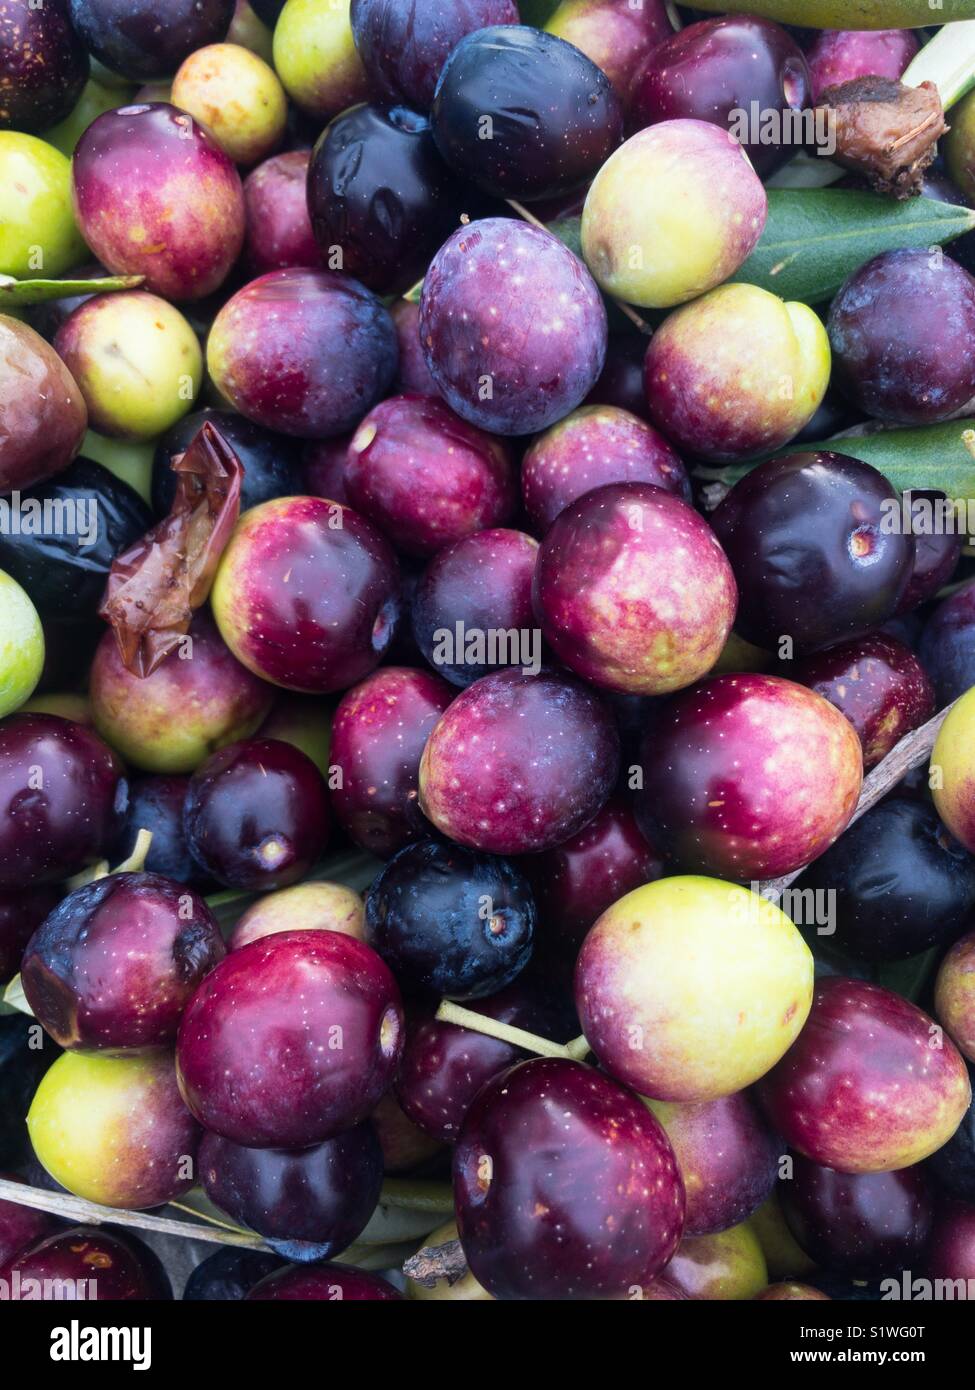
<point>574,1051</point>
<point>948,61</point>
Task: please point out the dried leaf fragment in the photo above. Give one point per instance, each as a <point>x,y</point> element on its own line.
<point>158,583</point>
<point>885,130</point>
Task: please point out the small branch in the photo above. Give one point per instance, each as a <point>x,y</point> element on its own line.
<point>435,1262</point>
<point>911,752</point>
<point>449,1012</point>
<point>76,1210</point>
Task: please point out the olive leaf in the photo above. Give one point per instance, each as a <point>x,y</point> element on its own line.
<point>815,237</point>
<point>15,1000</point>
<point>926,456</point>
<point>23,293</point>
<point>537,12</point>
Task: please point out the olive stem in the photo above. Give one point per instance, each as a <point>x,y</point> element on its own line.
<point>136,861</point>
<point>135,864</point>
<point>449,1012</point>
<point>911,752</point>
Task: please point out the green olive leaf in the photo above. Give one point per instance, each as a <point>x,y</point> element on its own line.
<point>537,13</point>
<point>815,237</point>
<point>926,456</point>
<point>14,1000</point>
<point>21,293</point>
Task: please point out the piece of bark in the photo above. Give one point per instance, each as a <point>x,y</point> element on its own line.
<point>885,131</point>
<point>435,1262</point>
<point>156,585</point>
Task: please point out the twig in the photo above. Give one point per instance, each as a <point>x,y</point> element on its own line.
<point>911,752</point>
<point>449,1012</point>
<point>75,1209</point>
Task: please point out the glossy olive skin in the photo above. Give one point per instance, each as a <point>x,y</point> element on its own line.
<point>727,1155</point>
<point>590,448</point>
<point>380,197</point>
<point>710,69</point>
<point>837,56</point>
<point>229,1274</point>
<point>414,375</point>
<point>43,65</point>
<point>256,815</point>
<point>404,44</point>
<point>45,416</point>
<point>378,735</point>
<point>936,556</point>
<point>155,195</point>
<point>877,683</point>
<point>953,1166</point>
<point>863,1224</point>
<point>21,1227</point>
<point>325,1284</point>
<point>565,1185</point>
<point>271,462</point>
<point>303,351</point>
<point>156,805</point>
<point>553,114</point>
<point>519,763</point>
<point>902,883</point>
<point>902,333</point>
<point>620,383</point>
<point>444,1066</point>
<point>484,583</point>
<point>728,1265</point>
<point>748,777</point>
<point>862,1090</point>
<point>65,573</point>
<point>576,881</point>
<point>947,646</point>
<point>198,699</point>
<point>62,797</point>
<point>449,921</point>
<point>508,305</point>
<point>633,591</point>
<point>951,1253</point>
<point>21,913</point>
<point>331,621</point>
<point>117,961</point>
<point>425,476</point>
<point>791,1292</point>
<point>278,231</point>
<point>254,1070</point>
<point>324,468</point>
<point>309,1204</point>
<point>22,1064</point>
<point>145,39</point>
<point>804,536</point>
<point>113,1266</point>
